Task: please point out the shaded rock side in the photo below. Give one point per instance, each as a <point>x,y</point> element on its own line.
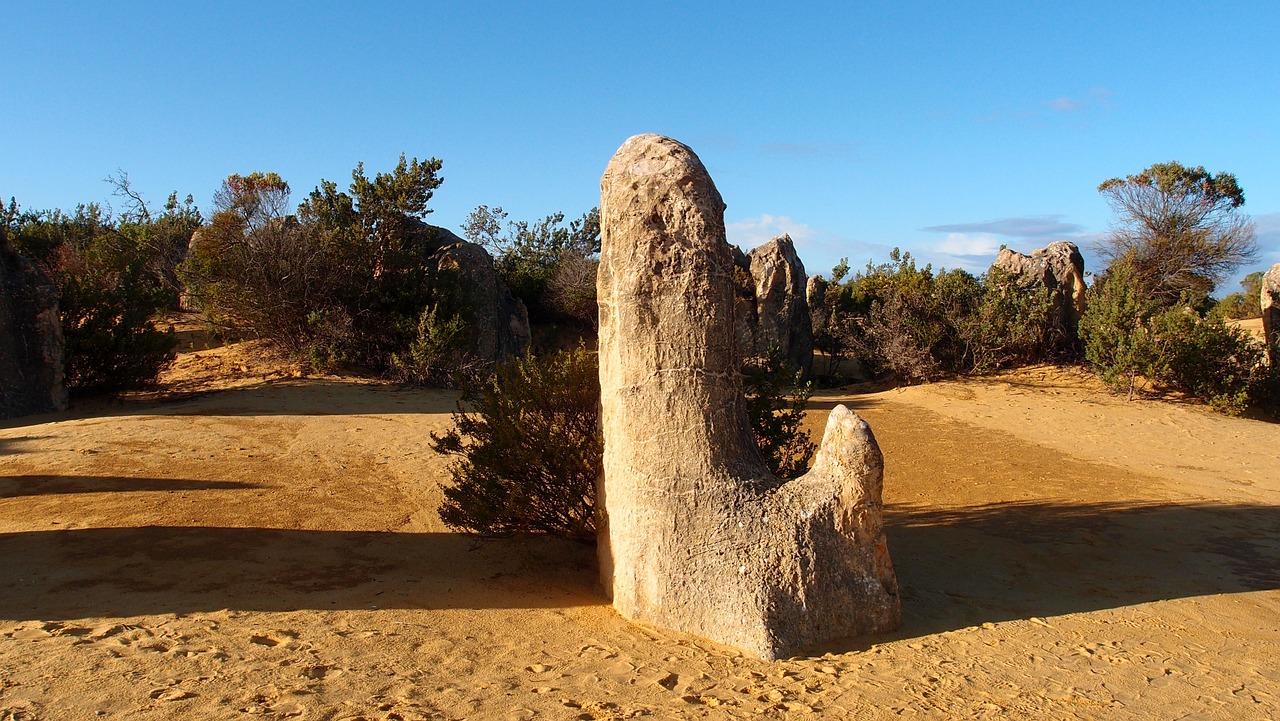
<point>500,321</point>
<point>782,306</point>
<point>815,294</point>
<point>1059,267</point>
<point>1271,311</point>
<point>695,534</point>
<point>31,343</point>
<point>744,302</point>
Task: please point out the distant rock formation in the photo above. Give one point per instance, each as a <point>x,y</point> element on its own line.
<point>695,534</point>
<point>31,344</point>
<point>1058,267</point>
<point>782,308</point>
<point>1271,311</point>
<point>500,321</point>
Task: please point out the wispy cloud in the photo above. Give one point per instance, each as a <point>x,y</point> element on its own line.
<point>750,232</point>
<point>1095,99</point>
<point>1065,105</point>
<point>973,246</point>
<point>1267,229</point>
<point>1026,226</point>
<point>968,245</point>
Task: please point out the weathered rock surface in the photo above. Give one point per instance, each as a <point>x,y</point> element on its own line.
<point>1271,311</point>
<point>782,307</point>
<point>694,533</point>
<point>500,321</point>
<point>1059,267</point>
<point>31,344</point>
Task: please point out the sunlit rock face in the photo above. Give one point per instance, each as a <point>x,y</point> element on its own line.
<point>695,534</point>
<point>782,305</point>
<point>1059,267</point>
<point>1271,310</point>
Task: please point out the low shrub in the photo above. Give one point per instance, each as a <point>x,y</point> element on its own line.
<point>113,276</point>
<point>351,279</point>
<point>1129,343</point>
<point>920,325</point>
<point>529,449</point>
<point>777,396</point>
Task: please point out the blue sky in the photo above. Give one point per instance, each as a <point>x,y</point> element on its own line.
<point>946,129</point>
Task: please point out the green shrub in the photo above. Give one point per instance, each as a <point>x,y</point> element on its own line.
<point>777,397</point>
<point>1205,357</point>
<point>549,266</point>
<point>1177,348</point>
<point>529,448</point>
<point>113,277</point>
<point>1010,325</point>
<point>350,279</point>
<point>1113,330</point>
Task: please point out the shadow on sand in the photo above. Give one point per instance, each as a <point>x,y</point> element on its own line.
<point>957,567</point>
<point>283,397</point>
<point>965,566</point>
<point>36,485</point>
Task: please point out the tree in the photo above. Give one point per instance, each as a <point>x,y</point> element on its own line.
<point>1179,228</point>
<point>1247,304</point>
<point>350,279</point>
<point>548,265</point>
<point>112,281</point>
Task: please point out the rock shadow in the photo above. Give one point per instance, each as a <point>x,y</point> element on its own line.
<point>120,572</point>
<point>964,566</point>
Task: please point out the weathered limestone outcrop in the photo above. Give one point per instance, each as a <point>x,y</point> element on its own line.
<point>695,534</point>
<point>31,345</point>
<point>500,321</point>
<point>1271,311</point>
<point>1058,267</point>
<point>782,308</point>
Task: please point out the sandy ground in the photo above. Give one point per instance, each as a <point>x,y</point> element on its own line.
<point>255,545</point>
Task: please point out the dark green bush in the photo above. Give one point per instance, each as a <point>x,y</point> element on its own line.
<point>920,325</point>
<point>1205,357</point>
<point>529,448</point>
<point>1129,342</point>
<point>548,265</point>
<point>777,396</point>
<point>350,279</point>
<point>113,276</point>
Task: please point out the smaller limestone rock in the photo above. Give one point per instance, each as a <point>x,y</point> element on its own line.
<point>500,321</point>
<point>1058,267</point>
<point>1271,311</point>
<point>782,309</point>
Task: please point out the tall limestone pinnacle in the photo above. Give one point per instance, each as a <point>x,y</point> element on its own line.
<point>695,534</point>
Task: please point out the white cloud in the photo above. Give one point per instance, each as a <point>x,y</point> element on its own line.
<point>751,232</point>
<point>818,249</point>
<point>1024,226</point>
<point>1065,105</point>
<point>968,244</point>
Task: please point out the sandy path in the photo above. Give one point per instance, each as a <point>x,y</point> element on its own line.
<point>272,551</point>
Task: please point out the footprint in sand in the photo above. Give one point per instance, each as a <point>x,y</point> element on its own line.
<point>287,640</point>
<point>170,694</point>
